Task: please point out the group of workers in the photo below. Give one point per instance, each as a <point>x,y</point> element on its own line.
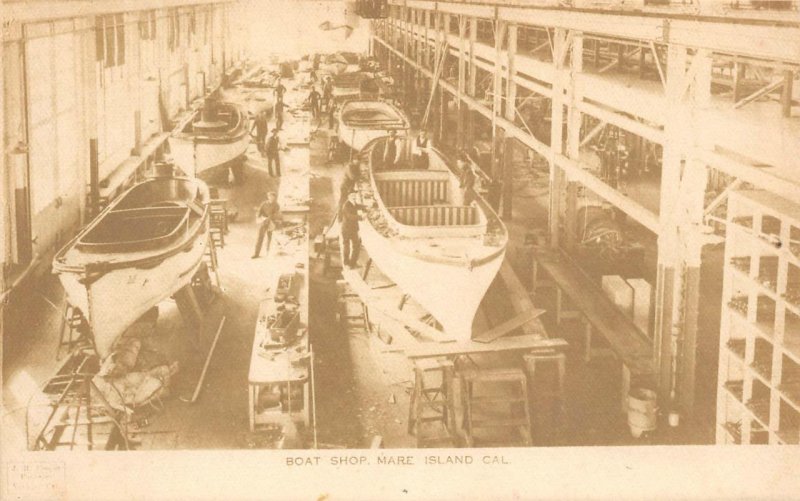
<point>268,213</point>
<point>269,143</point>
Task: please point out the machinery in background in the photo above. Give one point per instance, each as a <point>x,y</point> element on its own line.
<point>602,245</point>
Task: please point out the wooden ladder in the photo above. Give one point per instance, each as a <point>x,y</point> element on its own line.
<point>505,406</point>
<point>432,404</point>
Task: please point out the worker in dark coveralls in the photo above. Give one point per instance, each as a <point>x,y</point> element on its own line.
<point>273,149</point>
<point>327,89</point>
<point>279,90</point>
<point>278,111</point>
<point>260,127</point>
<point>331,113</point>
<point>349,218</point>
<point>267,217</point>
<point>467,181</point>
<point>349,182</point>
<point>313,100</point>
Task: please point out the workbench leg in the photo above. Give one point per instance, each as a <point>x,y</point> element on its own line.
<point>558,305</point>
<point>626,387</point>
<point>587,341</point>
<point>307,403</point>
<point>251,390</point>
<point>534,278</point>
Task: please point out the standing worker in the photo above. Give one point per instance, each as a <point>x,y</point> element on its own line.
<point>267,217</point>
<point>278,109</point>
<point>331,113</point>
<point>279,90</point>
<point>260,125</point>
<point>273,149</point>
<point>327,89</point>
<point>349,182</point>
<point>391,152</point>
<point>467,178</point>
<point>348,215</point>
<point>313,99</point>
<point>420,150</point>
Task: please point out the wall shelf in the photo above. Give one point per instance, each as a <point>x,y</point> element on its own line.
<point>759,366</point>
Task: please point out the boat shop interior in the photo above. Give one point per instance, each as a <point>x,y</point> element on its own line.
<point>497,223</point>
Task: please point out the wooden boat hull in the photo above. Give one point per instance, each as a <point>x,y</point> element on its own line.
<point>204,156</point>
<point>197,152</point>
<point>421,232</point>
<point>116,300</point>
<point>451,294</point>
<point>125,262</point>
<point>358,135</point>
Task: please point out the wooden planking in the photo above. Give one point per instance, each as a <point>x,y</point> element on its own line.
<point>509,343</point>
<point>438,215</point>
<point>520,299</point>
<point>408,192</point>
<point>506,327</point>
<point>623,336</point>
<point>371,298</point>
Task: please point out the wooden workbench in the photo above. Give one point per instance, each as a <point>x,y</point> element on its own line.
<point>627,342</point>
<point>280,366</point>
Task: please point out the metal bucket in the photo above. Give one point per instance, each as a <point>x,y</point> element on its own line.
<point>642,411</point>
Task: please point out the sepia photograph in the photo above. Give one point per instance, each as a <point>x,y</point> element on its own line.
<point>292,246</point>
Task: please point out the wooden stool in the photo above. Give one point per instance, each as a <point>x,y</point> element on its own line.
<point>438,399</point>
<point>477,408</point>
<point>557,390</point>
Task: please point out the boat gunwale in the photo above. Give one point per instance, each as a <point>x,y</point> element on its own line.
<point>483,207</point>
<point>228,136</point>
<point>102,266</point>
<point>181,227</point>
<point>406,124</point>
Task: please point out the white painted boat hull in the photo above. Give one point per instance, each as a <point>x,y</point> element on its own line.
<point>117,299</point>
<point>358,138</point>
<point>451,293</point>
<point>194,160</point>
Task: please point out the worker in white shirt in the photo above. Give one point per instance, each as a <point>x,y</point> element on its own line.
<point>391,153</point>
<point>419,150</point>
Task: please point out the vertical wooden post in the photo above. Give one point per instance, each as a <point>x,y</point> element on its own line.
<point>462,69</point>
<point>497,92</point>
<point>510,115</point>
<point>573,138</point>
<point>560,46</point>
<point>94,178</point>
<point>786,93</point>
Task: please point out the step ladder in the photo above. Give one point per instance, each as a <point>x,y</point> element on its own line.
<point>501,407</point>
<point>69,412</point>
<point>433,402</point>
<point>212,261</point>
<point>74,331</point>
<point>218,221</point>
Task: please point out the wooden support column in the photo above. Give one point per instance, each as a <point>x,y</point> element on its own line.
<point>510,115</point>
<point>574,122</point>
<point>462,75</point>
<point>560,81</point>
<point>406,31</point>
<point>497,93</point>
<point>682,195</point>
<point>472,81</point>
